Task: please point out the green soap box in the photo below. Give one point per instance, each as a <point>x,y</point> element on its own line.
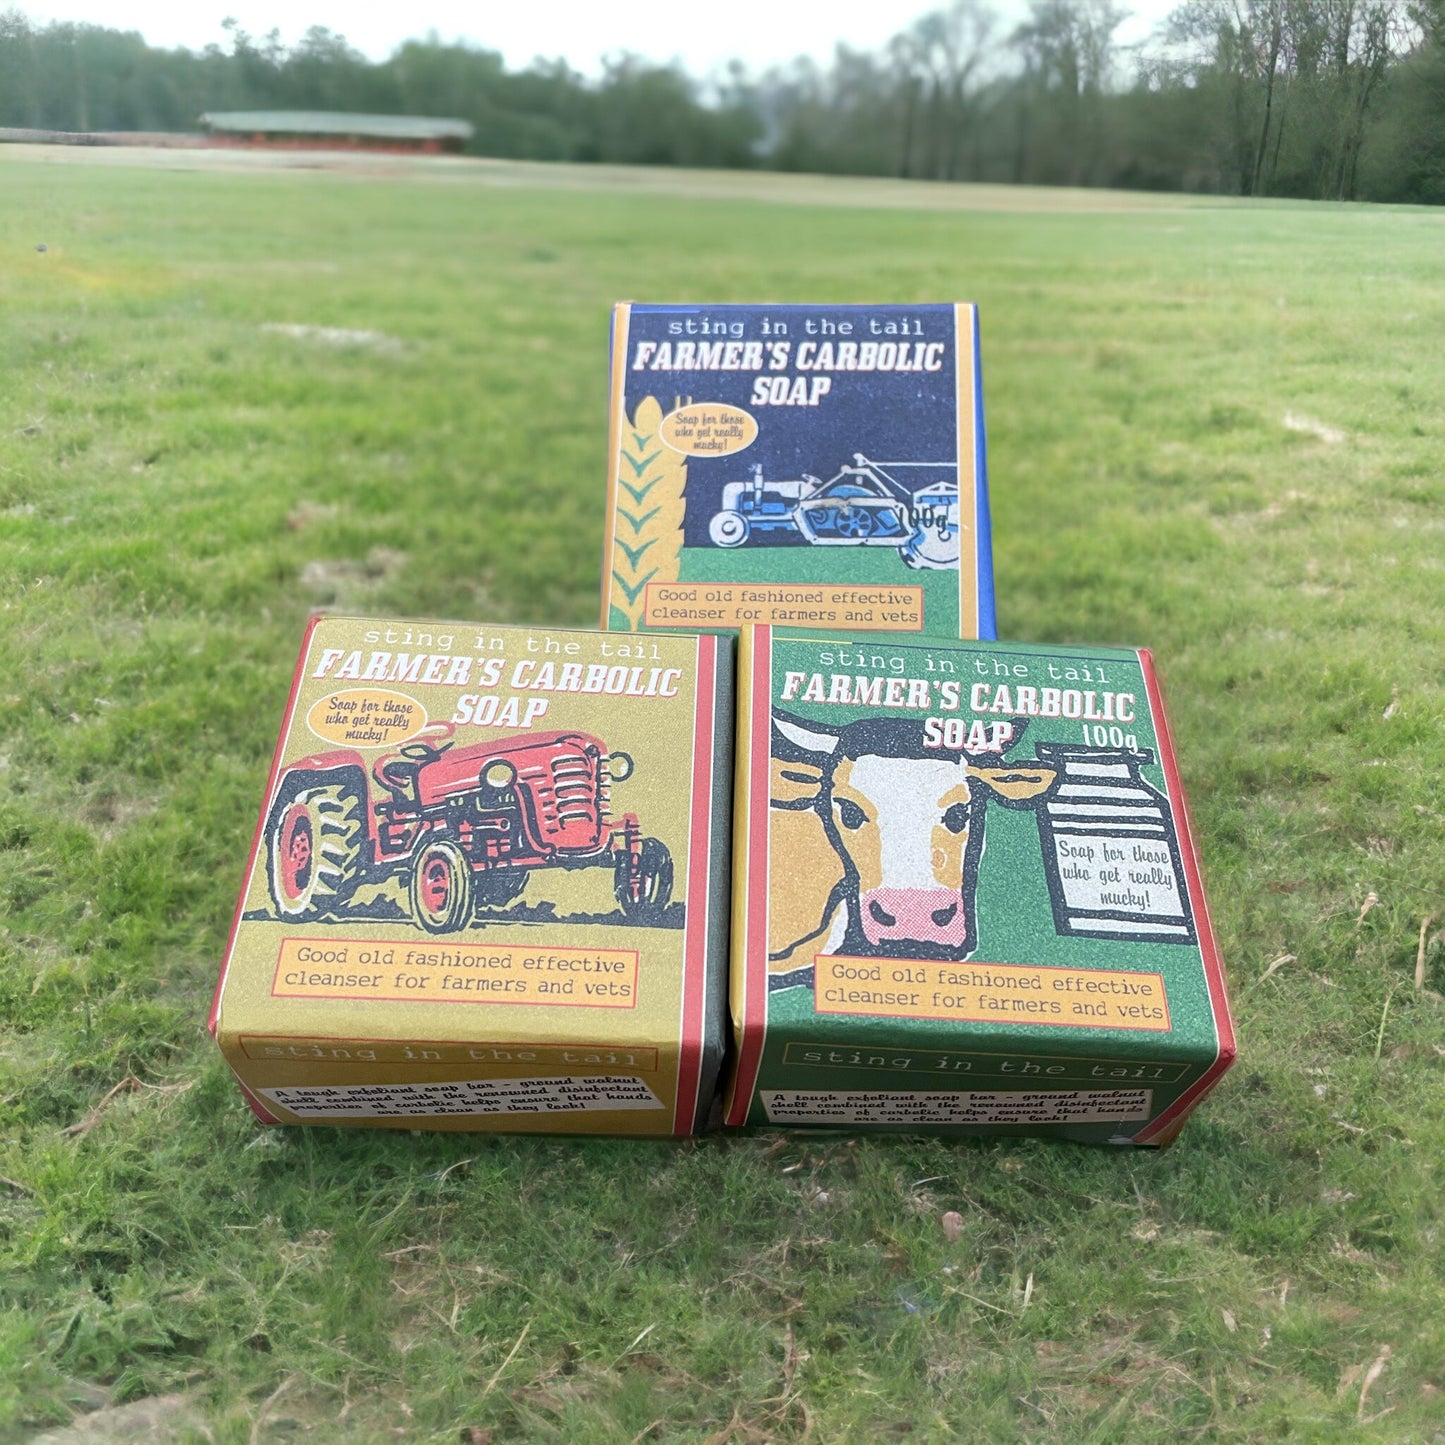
<point>967,898</point>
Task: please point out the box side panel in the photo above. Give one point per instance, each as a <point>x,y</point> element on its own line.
<point>705,962</point>
<point>749,984</point>
<point>709,1110</point>
<point>1163,1129</point>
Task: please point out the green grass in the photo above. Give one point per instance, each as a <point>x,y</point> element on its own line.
<point>1215,429</point>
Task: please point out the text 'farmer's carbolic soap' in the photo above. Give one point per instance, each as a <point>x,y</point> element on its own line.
<point>489,886</point>
<point>809,466</point>
<point>966,895</point>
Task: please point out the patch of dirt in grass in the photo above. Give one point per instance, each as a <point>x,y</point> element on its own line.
<point>557,1393</point>
<point>109,811</point>
<point>343,338</point>
<point>567,1391</point>
<point>1082,1380</point>
<point>1321,431</point>
<point>1292,502</point>
<point>426,1289</point>
<point>129,1084</point>
<point>157,1419</point>
<point>255,265</point>
<point>1281,505</point>
<point>307,513</point>
<point>346,582</point>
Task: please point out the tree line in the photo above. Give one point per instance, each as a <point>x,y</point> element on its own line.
<point>1321,99</point>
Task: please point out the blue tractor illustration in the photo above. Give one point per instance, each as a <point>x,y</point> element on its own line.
<point>757,506</point>
<point>866,504</point>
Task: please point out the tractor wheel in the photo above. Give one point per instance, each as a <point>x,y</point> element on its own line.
<point>728,529</point>
<point>313,849</point>
<point>497,889</point>
<point>643,884</point>
<point>443,895</point>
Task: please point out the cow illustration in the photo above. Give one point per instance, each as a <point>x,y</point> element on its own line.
<point>895,869</point>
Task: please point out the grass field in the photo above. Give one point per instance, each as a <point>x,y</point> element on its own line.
<point>1215,429</point>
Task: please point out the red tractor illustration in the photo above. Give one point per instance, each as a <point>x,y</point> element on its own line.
<point>463,827</point>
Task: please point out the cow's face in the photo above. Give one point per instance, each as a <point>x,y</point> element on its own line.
<point>907,824</point>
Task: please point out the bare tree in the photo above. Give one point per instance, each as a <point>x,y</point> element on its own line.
<point>1333,53</point>
<point>1067,48</point>
<point>1368,35</point>
<point>943,54</point>
<point>903,59</point>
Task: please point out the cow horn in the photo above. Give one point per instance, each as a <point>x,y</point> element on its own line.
<point>806,737</point>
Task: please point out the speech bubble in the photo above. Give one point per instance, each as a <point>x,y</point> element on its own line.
<point>708,429</point>
<point>366,717</point>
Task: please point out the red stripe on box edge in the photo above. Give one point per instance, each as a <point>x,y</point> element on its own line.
<point>695,980</point>
<point>213,1020</point>
<point>257,1107</point>
<point>1167,1122</point>
<point>755,819</point>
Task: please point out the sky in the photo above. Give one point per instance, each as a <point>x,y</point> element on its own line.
<point>702,37</point>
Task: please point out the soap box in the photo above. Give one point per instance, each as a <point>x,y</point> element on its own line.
<point>809,466</point>
<point>967,895</point>
<point>489,885</point>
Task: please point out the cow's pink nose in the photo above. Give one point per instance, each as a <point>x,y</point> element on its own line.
<point>927,915</point>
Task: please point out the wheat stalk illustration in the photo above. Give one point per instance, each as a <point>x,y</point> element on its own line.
<point>647,535</point>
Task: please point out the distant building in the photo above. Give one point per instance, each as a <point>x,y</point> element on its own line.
<point>336,130</point>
